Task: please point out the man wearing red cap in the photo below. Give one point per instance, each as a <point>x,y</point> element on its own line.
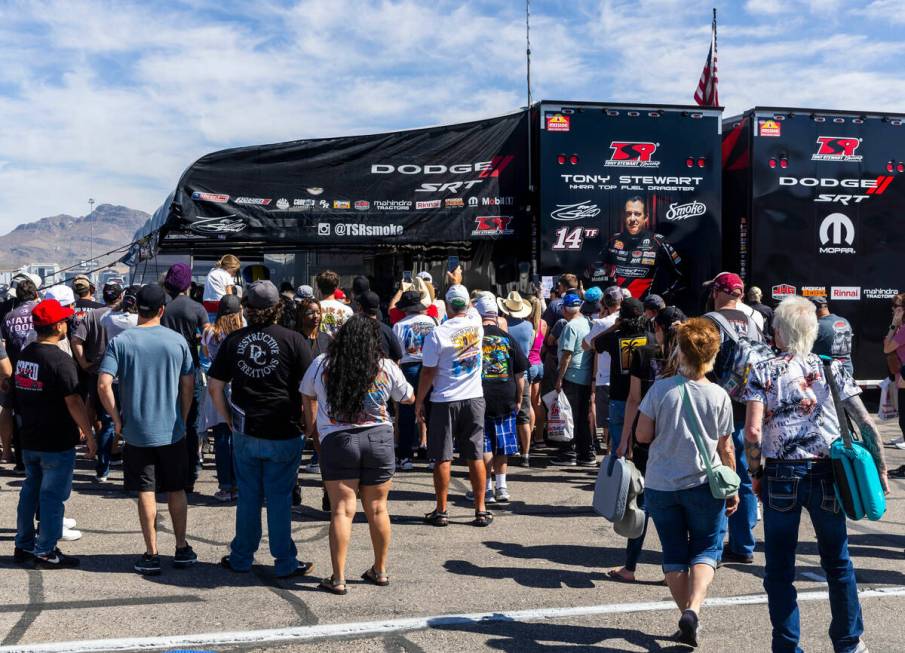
<point>51,412</point>
<point>726,291</point>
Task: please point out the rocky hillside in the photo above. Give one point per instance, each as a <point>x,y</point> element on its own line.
<point>65,239</point>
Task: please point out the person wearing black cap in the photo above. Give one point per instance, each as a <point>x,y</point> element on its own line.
<point>834,335</point>
<point>265,363</point>
<point>50,412</point>
<point>629,334</point>
<point>369,305</point>
<point>156,378</point>
<point>89,343</point>
<point>653,304</point>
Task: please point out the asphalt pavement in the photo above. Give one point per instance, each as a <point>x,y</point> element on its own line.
<point>535,580</point>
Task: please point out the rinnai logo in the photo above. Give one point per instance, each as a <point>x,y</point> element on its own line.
<point>429,204</point>
<point>632,154</point>
<point>835,230</point>
<point>684,211</point>
<point>846,293</point>
<point>492,225</point>
<point>837,148</point>
<point>782,291</point>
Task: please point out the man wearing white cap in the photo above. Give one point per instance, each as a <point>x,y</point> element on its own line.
<point>451,370</point>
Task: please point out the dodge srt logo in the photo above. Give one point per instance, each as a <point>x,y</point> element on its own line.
<point>837,148</point>
<point>632,154</point>
<point>492,225</point>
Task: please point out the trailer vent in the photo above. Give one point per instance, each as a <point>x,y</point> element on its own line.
<point>858,121</point>
<point>838,121</point>
<point>612,112</point>
<point>653,114</point>
<point>819,119</point>
<point>895,123</point>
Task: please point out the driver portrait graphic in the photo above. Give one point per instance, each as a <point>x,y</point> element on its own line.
<point>638,259</point>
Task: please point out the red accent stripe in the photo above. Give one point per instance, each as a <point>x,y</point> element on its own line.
<point>882,189</point>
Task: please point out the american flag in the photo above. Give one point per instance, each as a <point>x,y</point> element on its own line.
<point>706,94</point>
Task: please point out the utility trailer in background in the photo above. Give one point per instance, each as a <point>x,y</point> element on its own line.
<point>814,204</point>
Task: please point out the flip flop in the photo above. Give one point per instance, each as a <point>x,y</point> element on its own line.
<point>371,576</point>
<point>613,574</point>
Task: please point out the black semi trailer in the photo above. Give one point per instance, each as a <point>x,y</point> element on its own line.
<point>604,168</point>
<point>813,204</point>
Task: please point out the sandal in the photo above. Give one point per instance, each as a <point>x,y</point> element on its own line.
<point>898,472</point>
<point>482,518</point>
<point>379,579</point>
<point>613,574</point>
<point>437,518</point>
<point>330,585</point>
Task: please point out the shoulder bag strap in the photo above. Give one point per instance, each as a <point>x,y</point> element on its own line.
<point>693,424</point>
<point>840,410</point>
<point>724,324</point>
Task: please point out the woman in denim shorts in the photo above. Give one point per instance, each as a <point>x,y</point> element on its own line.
<point>677,493</point>
<point>346,392</point>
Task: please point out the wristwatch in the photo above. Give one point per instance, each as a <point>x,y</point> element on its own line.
<point>757,473</point>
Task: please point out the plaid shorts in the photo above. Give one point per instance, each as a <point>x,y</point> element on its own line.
<point>505,438</point>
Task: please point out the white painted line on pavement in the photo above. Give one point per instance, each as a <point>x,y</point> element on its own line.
<point>368,628</point>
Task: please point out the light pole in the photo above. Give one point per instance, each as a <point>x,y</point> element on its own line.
<point>91,241</point>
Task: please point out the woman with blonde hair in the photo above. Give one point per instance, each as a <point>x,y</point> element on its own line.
<point>536,371</point>
<point>686,417</point>
<point>229,318</point>
<point>221,280</point>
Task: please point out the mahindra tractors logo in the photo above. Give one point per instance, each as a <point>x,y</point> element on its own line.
<point>632,154</point>
<point>837,148</point>
<point>492,225</point>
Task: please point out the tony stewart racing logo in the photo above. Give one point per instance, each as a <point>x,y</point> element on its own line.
<point>492,225</point>
<point>837,148</point>
<point>632,154</point>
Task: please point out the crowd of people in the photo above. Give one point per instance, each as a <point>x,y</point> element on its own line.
<point>149,374</point>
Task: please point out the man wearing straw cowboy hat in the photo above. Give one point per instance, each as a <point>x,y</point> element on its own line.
<point>516,310</point>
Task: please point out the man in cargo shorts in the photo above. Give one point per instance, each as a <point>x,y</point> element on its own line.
<point>451,356</point>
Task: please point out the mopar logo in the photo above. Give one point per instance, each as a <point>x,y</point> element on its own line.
<point>837,229</point>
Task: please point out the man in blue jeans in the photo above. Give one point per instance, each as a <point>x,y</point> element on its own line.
<point>265,363</point>
<point>51,412</point>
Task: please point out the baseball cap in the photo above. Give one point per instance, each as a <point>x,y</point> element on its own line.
<point>112,291</point>
<point>593,294</point>
<point>727,282</point>
<point>129,297</point>
<point>150,298</point>
<point>571,300</point>
<point>669,316</point>
<point>339,294</point>
<point>61,293</point>
<point>457,296</point>
<point>631,308</point>
<point>819,300</point>
<point>304,292</point>
<point>179,277</point>
<point>369,302</point>
<point>409,299</point>
<point>81,282</point>
<point>654,303</point>
<point>612,296</point>
<point>229,305</point>
<point>424,274</point>
<point>50,311</point>
<point>262,294</point>
<point>486,306</point>
<point>360,284</point>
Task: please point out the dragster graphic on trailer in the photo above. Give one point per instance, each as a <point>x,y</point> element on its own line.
<point>630,195</point>
<point>814,205</point>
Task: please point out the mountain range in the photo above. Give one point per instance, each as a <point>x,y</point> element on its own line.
<point>65,239</point>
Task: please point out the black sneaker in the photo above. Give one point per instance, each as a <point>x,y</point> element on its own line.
<point>296,496</point>
<point>148,565</point>
<point>56,559</point>
<point>738,558</point>
<point>688,628</point>
<point>185,557</point>
<point>303,569</point>
<point>22,556</point>
<point>590,462</point>
<point>564,462</point>
<point>325,502</point>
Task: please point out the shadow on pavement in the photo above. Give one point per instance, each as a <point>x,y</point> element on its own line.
<point>537,578</point>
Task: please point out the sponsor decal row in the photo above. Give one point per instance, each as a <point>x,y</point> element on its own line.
<point>584,210</point>
<point>307,204</point>
<point>837,293</point>
<point>485,226</point>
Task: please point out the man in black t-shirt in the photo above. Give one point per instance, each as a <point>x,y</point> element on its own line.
<point>189,318</point>
<point>630,334</point>
<point>51,412</point>
<point>84,291</point>
<point>265,363</point>
<point>502,378</point>
<point>369,304</point>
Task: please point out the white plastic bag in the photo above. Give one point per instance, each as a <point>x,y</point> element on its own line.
<point>560,423</point>
<point>889,408</point>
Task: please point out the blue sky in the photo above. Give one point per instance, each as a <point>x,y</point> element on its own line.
<point>112,100</point>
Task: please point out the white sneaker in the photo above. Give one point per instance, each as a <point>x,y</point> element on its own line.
<point>223,496</point>
<point>68,522</point>
<point>70,535</point>
<point>501,495</point>
<point>760,511</point>
<point>406,465</point>
<point>313,468</point>
<point>895,441</point>
<point>899,445</point>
